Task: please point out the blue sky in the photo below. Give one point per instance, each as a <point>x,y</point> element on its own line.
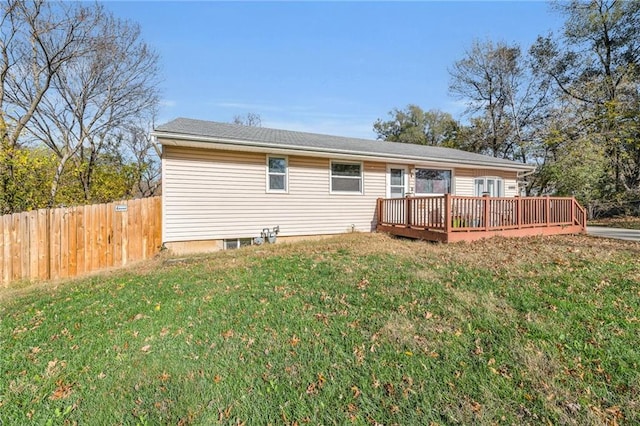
<point>323,67</point>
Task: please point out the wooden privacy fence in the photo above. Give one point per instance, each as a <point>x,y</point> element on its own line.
<point>65,242</point>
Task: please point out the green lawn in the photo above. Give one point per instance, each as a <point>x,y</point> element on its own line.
<point>361,329</point>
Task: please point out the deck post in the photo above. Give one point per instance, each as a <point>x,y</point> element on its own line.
<point>518,211</point>
<point>407,210</point>
<point>547,210</point>
<point>447,213</point>
<point>379,211</point>
<point>486,205</point>
<point>573,211</point>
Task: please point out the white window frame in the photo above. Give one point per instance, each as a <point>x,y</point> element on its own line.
<point>406,178</point>
<point>361,177</point>
<point>236,243</point>
<point>501,188</point>
<point>452,185</point>
<point>286,175</point>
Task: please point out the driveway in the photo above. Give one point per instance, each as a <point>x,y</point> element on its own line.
<point>617,233</point>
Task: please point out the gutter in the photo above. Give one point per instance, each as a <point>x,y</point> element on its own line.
<point>271,148</point>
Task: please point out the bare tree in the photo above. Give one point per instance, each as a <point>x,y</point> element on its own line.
<point>96,96</point>
<point>145,156</point>
<point>249,119</point>
<point>503,97</point>
<point>37,39</point>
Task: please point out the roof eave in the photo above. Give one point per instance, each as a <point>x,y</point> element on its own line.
<point>207,141</point>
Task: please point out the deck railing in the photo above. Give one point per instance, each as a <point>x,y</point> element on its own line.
<point>451,213</point>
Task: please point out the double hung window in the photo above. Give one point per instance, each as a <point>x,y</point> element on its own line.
<point>346,177</point>
<point>277,174</point>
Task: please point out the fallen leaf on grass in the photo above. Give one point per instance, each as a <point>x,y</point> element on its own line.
<point>62,391</point>
<point>363,284</point>
<point>322,318</point>
<point>389,389</point>
<point>311,389</point>
<point>356,391</point>
<point>145,348</point>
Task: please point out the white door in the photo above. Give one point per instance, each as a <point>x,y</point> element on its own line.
<point>397,182</point>
<point>489,186</point>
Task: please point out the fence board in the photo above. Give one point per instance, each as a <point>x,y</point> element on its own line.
<point>144,226</point>
<point>16,246</point>
<point>64,243</point>
<point>73,242</point>
<point>94,236</point>
<point>80,240</point>
<point>34,247</point>
<point>43,245</point>
<point>109,229</point>
<point>7,264</point>
<point>158,225</point>
<point>2,265</point>
<point>125,235</point>
<point>132,252</point>
<point>117,237</point>
<point>55,243</point>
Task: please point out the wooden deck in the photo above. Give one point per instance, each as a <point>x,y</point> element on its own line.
<point>450,218</point>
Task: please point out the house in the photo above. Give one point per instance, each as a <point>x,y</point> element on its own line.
<point>223,184</point>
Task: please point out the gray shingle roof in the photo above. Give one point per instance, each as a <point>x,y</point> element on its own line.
<point>286,139</point>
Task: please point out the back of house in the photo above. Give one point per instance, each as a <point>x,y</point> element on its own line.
<point>226,184</point>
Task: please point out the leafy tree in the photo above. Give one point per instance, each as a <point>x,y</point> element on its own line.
<point>574,164</point>
<point>32,169</point>
<point>595,63</point>
<point>413,125</point>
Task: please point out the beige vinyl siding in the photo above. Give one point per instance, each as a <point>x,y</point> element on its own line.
<point>464,181</point>
<point>213,194</point>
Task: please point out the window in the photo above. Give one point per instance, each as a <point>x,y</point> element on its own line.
<point>432,181</point>
<point>235,243</point>
<point>276,174</point>
<point>492,186</point>
<point>346,177</point>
